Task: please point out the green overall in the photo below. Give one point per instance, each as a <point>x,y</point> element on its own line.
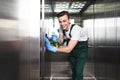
<point>78,57</point>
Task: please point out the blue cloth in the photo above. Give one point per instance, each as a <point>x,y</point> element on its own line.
<point>49,46</point>
<point>55,38</point>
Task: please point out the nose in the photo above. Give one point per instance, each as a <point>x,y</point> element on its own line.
<point>62,23</point>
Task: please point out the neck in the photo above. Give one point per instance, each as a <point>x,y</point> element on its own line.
<point>68,27</point>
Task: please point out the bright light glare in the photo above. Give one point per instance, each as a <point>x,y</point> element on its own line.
<point>5,23</point>
<point>29,12</point>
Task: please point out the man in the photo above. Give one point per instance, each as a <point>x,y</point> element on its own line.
<point>77,45</point>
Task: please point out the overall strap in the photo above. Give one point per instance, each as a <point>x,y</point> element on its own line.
<point>69,32</point>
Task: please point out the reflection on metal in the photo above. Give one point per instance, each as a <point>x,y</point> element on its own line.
<point>68,78</point>
<point>19,40</point>
<point>8,9</point>
<point>51,77</point>
<point>103,32</point>
<point>110,6</point>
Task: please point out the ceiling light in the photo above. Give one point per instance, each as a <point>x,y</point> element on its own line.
<point>62,5</point>
<point>78,4</point>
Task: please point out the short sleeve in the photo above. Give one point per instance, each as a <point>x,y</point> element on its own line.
<point>75,33</point>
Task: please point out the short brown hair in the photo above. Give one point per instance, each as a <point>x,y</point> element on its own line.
<point>62,13</point>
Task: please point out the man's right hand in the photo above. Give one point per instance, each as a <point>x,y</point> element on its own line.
<point>55,38</point>
<point>49,46</point>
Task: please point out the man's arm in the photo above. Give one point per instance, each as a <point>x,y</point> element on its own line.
<point>64,49</point>
<point>69,48</point>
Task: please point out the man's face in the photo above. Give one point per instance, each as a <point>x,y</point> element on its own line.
<point>64,22</point>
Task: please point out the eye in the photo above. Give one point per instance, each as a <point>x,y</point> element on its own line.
<point>59,21</point>
<point>64,21</point>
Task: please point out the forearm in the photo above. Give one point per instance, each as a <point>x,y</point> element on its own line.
<point>64,49</point>
<point>68,48</point>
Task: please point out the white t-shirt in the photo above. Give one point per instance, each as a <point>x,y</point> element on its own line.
<point>77,33</point>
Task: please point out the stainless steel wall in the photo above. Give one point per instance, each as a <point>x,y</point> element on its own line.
<point>19,40</point>
<point>104,41</point>
<point>9,41</point>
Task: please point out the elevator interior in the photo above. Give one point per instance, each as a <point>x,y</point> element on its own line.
<point>101,20</point>
<point>24,23</point>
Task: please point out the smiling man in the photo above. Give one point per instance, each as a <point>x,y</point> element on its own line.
<point>77,44</point>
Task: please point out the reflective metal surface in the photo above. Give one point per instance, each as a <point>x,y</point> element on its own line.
<point>23,25</point>
<point>19,40</point>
